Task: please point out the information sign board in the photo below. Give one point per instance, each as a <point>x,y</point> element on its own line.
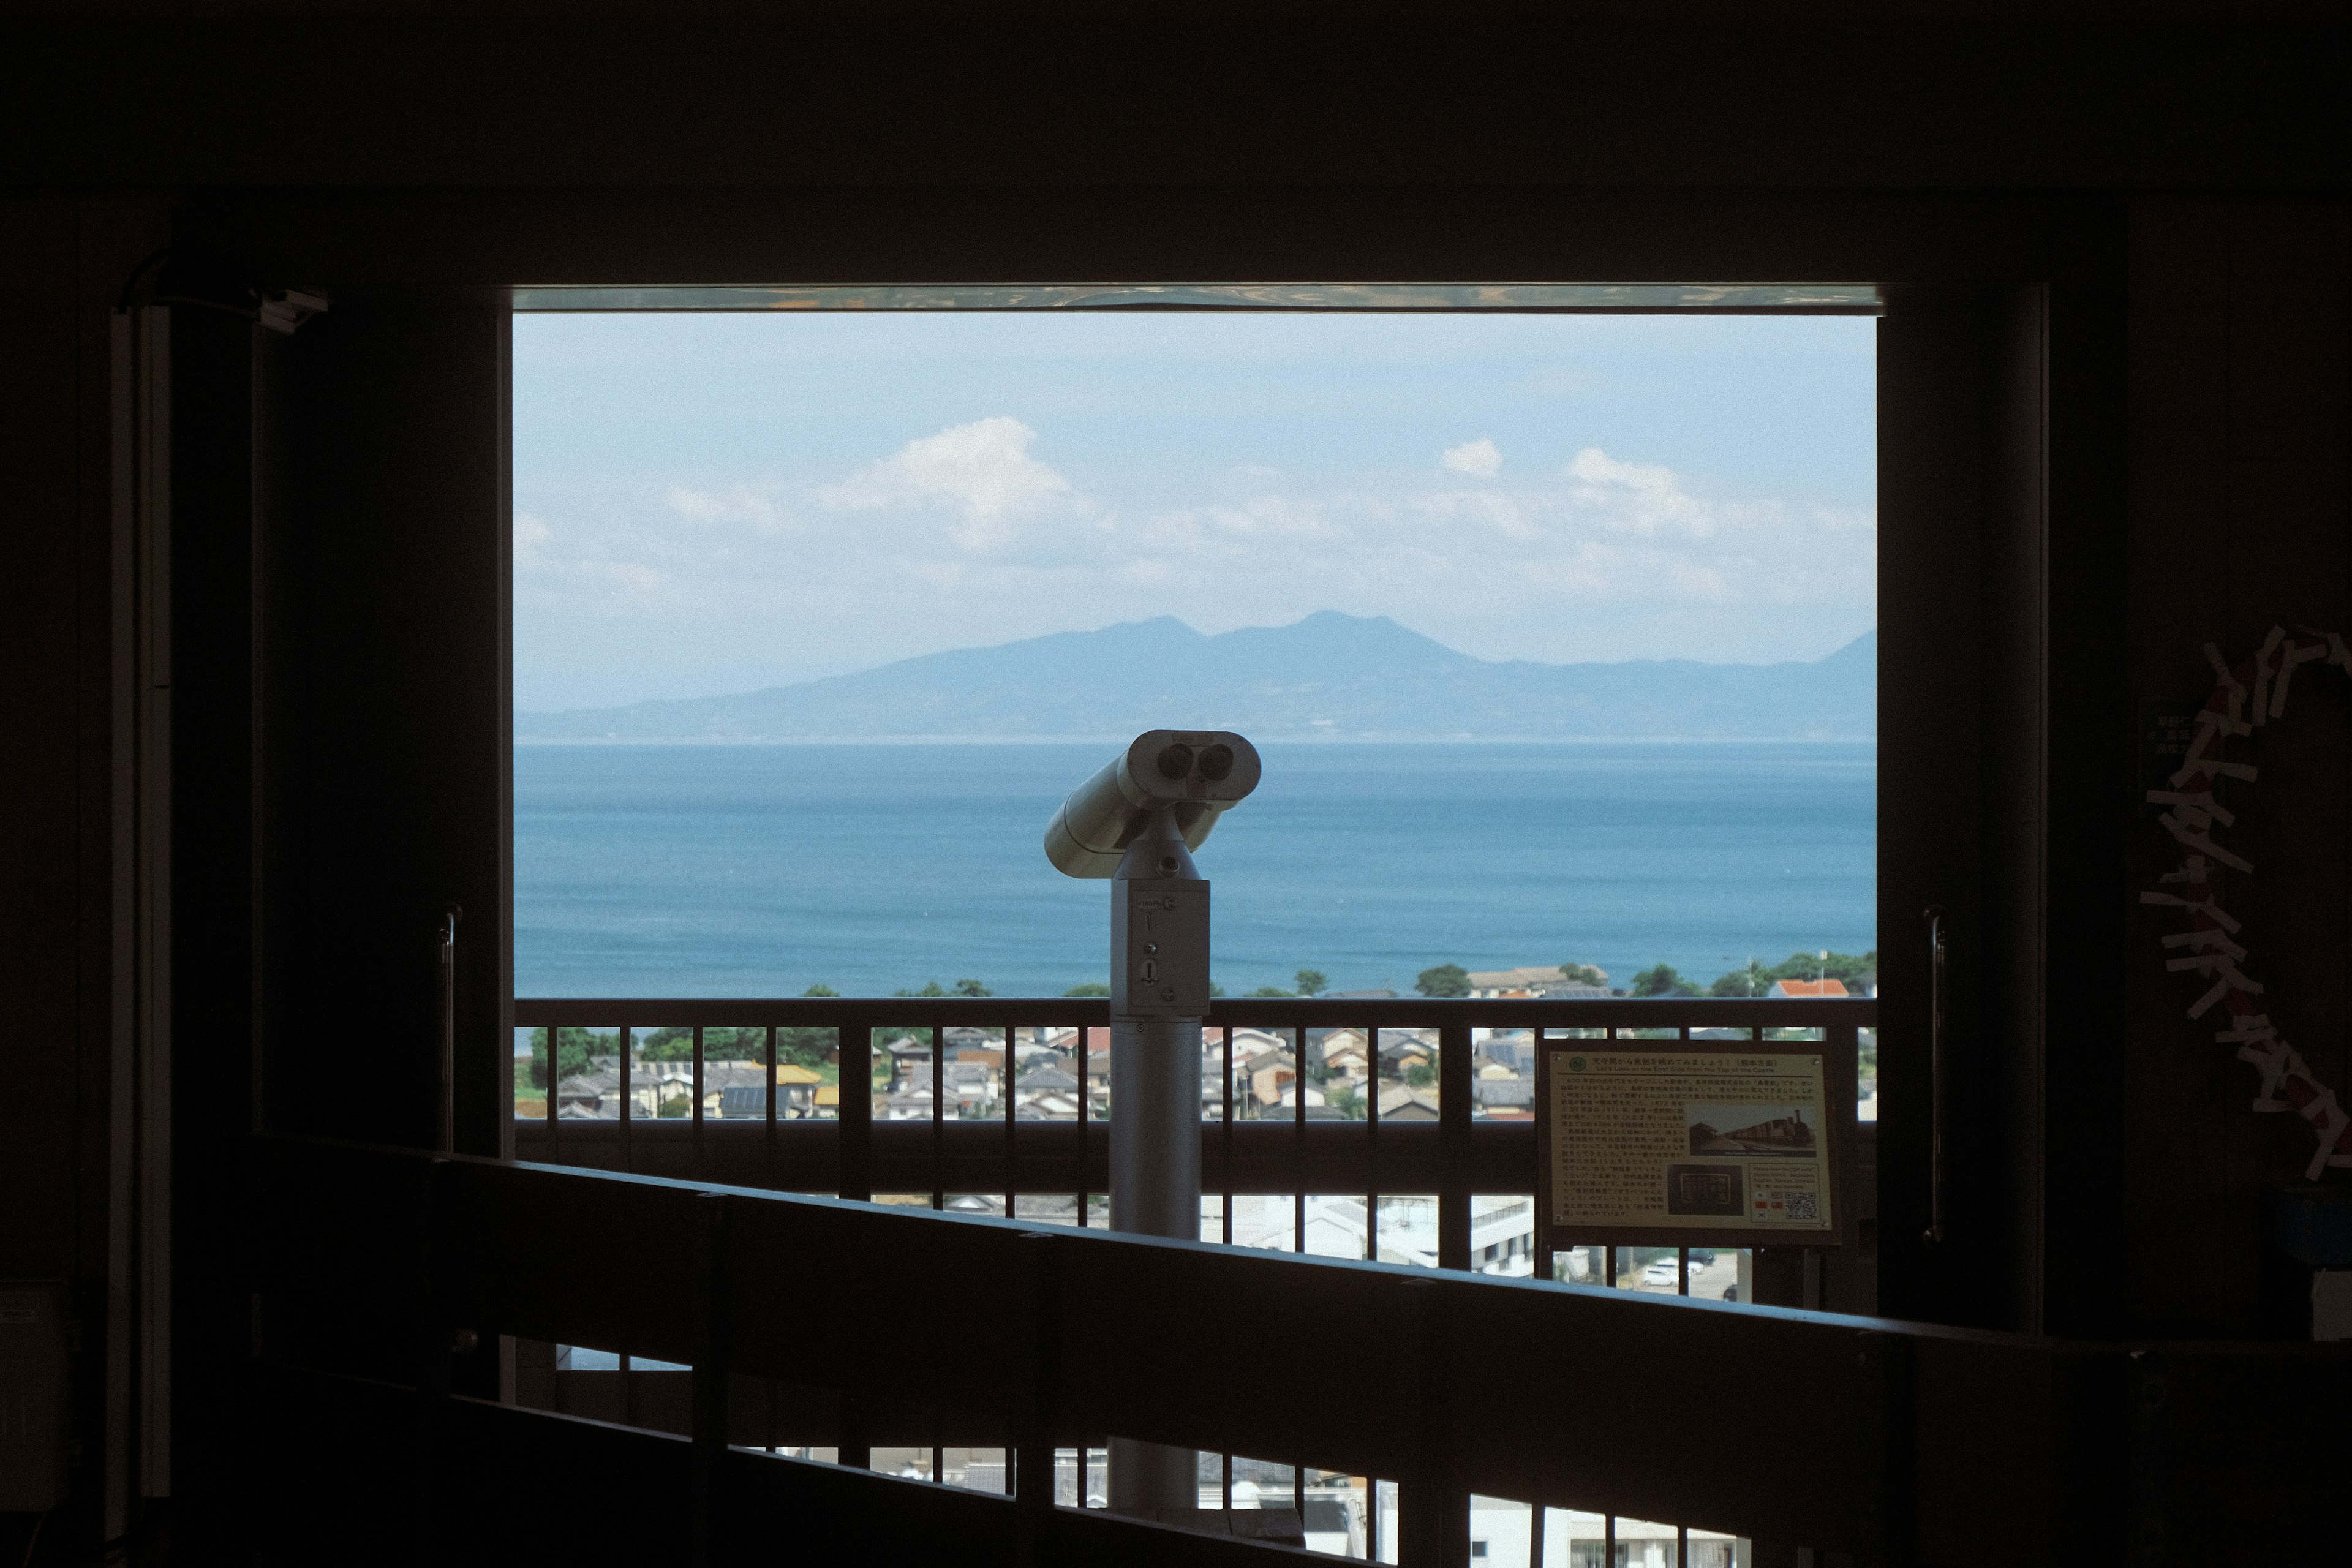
<point>1693,1142</point>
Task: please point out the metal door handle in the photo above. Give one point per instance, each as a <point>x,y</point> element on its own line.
<point>447,1140</point>
<point>1939,944</point>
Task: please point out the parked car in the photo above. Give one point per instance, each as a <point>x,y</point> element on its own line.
<point>1661,1274</point>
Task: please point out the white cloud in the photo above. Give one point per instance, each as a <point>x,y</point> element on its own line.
<point>984,471</point>
<point>963,539</point>
<point>1638,497</point>
<point>588,577</point>
<point>1481,459</point>
<point>744,504</point>
<point>532,538</point>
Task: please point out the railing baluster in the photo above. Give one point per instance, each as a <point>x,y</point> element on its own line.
<point>700,1169</point>
<point>1454,1111</point>
<point>768,1102</point>
<point>855,1112</point>
<point>1013,1185</point>
<point>556,1087</point>
<point>1086,1091</point>
<point>628,1102</point>
<point>939,1134</point>
<point>1298,1126</point>
<point>1373,1185</point>
<point>1226,1166</point>
<point>710,1373</point>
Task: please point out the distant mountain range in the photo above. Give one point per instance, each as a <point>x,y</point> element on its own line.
<point>1329,676</point>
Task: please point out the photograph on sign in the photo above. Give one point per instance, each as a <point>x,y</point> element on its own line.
<point>1687,1140</point>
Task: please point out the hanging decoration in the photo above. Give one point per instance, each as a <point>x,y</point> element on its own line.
<point>2245,697</point>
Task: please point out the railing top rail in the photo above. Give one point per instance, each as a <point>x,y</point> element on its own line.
<point>1252,1012</point>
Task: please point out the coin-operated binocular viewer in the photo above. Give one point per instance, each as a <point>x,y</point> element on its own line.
<point>1137,822</point>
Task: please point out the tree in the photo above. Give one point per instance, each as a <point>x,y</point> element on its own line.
<point>1091,988</point>
<point>1311,982</point>
<point>1661,981</point>
<point>1419,1075</point>
<point>1584,974</point>
<point>807,1045</point>
<point>1752,981</point>
<point>668,1045</point>
<point>575,1049</point>
<point>1445,980</point>
<point>971,988</point>
<point>1842,966</point>
<point>931,988</point>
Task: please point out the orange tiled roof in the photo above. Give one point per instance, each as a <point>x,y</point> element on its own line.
<point>1811,988</point>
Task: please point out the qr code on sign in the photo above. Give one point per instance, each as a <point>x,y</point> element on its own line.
<point>1804,1205</point>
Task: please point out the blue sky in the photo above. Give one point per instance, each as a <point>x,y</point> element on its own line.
<point>708,503</point>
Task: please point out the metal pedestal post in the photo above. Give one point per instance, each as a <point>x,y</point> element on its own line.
<point>1159,962</point>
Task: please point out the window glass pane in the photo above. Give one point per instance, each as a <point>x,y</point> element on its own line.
<point>734,1073</point>
<point>1652,1269</point>
<point>1503,1234</point>
<point>1213,1075</point>
<point>1503,1075</point>
<point>975,1469</point>
<point>1046,1082</point>
<point>587,1071</point>
<point>1709,1549</point>
<point>1335,1226</point>
<point>1337,1521</point>
<point>1501,1532</point>
<point>902,1073</point>
<point>529,1074</point>
<point>1407,1230</point>
<point>1266,1219</point>
<point>1581,1264</point>
<point>1406,1084</point>
<point>1339,1072</point>
<point>661,1073</point>
<point>1046,1208</point>
<point>1573,1539</point>
<point>1261,1483</point>
<point>1266,1074</point>
<point>1866,1075</point>
<point>808,1074</point>
<point>1642,1544</point>
<point>974,1078</point>
<point>1722,1274</point>
<point>908,1464</point>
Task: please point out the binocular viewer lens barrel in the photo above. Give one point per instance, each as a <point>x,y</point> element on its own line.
<point>1195,776</point>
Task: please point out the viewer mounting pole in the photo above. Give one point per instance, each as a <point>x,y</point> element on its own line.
<point>1137,822</point>
<point>1159,990</point>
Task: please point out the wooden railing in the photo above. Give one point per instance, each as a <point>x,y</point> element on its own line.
<point>854,1155</point>
<point>382,1278</point>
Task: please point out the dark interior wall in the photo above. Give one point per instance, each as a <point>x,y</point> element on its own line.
<point>2097,224</point>
<point>212,935</point>
<point>1091,95</point>
<point>2242,519</point>
<point>62,262</point>
<point>384,793</point>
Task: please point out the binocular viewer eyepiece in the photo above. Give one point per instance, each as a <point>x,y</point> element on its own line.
<point>1193,775</point>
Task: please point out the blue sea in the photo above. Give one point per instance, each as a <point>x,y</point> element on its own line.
<point>762,870</point>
